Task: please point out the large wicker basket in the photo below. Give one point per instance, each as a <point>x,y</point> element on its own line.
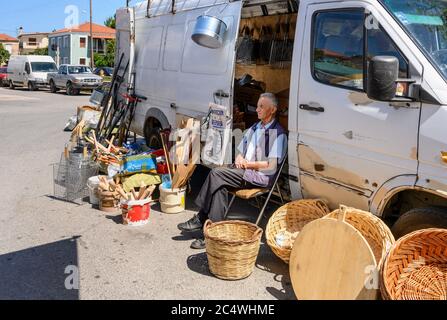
<point>232,248</point>
<point>372,228</point>
<point>285,224</point>
<point>416,267</point>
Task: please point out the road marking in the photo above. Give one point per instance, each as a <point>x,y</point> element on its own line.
<point>4,97</point>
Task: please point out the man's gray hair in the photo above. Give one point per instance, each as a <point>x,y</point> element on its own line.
<point>271,97</point>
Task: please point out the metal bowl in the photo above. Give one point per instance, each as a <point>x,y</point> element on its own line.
<point>209,32</point>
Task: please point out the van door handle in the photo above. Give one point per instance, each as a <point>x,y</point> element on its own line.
<point>310,108</point>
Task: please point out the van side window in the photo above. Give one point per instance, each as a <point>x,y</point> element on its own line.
<point>338,47</point>
<point>27,68</point>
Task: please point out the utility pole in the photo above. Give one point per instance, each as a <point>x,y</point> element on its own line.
<point>92,60</point>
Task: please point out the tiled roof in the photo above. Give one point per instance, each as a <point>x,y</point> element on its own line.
<point>5,37</point>
<point>99,31</point>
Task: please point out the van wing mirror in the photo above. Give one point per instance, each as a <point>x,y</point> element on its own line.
<point>382,78</point>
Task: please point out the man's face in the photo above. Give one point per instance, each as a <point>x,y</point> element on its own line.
<point>265,109</point>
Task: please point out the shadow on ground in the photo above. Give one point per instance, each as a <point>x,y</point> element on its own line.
<point>280,270</point>
<point>199,263</point>
<point>39,273</point>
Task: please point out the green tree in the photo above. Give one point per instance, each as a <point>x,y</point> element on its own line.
<point>40,52</point>
<point>108,59</point>
<point>4,55</point>
<point>111,22</point>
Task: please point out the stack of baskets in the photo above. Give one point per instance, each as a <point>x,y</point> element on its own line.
<point>416,267</point>
<point>288,221</point>
<point>232,248</point>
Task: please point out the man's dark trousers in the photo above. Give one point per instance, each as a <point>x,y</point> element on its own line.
<point>213,197</point>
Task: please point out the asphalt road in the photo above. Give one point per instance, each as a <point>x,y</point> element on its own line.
<point>45,243</point>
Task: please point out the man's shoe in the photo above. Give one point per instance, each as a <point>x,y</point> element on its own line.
<point>191,225</point>
<point>198,244</point>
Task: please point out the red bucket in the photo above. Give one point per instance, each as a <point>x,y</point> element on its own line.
<point>136,212</point>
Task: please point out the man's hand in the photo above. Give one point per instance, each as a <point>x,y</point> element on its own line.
<point>240,162</point>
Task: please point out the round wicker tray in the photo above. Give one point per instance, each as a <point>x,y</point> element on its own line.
<point>416,267</point>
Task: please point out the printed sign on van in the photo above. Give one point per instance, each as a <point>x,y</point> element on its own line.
<point>217,135</point>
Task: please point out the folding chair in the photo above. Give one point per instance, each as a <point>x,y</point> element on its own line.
<point>248,194</point>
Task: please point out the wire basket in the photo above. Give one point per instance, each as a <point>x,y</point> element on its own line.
<point>70,177</point>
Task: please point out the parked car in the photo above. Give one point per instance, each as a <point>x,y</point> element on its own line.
<point>30,71</point>
<point>366,91</point>
<point>3,76</point>
<point>73,78</point>
<point>105,72</point>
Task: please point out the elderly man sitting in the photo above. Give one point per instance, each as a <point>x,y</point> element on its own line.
<point>262,148</point>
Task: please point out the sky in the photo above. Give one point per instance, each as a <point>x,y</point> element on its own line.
<point>48,15</point>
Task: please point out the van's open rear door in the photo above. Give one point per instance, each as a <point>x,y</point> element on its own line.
<point>207,74</point>
<point>206,80</point>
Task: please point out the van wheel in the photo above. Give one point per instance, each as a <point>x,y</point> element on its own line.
<point>152,129</point>
<point>53,87</point>
<point>31,86</point>
<point>153,139</point>
<point>11,85</point>
<point>70,89</point>
<point>420,218</point>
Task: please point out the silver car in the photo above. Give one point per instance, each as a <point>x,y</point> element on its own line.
<point>74,78</point>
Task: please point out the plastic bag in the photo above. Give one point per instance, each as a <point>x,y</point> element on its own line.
<point>71,124</point>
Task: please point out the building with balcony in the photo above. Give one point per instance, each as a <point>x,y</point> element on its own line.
<point>31,41</point>
<point>72,46</point>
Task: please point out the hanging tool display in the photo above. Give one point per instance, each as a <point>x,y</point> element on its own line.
<point>112,111</point>
<point>128,116</point>
<point>106,100</point>
<point>117,121</point>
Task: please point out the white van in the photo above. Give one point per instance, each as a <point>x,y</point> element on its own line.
<point>362,86</point>
<point>30,71</point>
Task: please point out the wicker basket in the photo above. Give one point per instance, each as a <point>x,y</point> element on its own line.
<point>416,267</point>
<point>232,248</point>
<point>372,228</point>
<point>288,221</point>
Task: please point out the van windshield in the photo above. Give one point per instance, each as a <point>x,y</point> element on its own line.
<point>426,22</point>
<point>43,67</point>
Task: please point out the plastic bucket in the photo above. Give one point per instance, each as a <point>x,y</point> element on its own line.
<point>172,200</point>
<point>136,212</point>
<point>93,184</point>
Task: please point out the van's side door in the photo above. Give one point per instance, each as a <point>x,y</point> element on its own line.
<point>27,72</point>
<point>349,145</point>
<point>207,75</point>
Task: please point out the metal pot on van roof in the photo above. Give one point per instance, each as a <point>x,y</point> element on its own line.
<point>209,32</point>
